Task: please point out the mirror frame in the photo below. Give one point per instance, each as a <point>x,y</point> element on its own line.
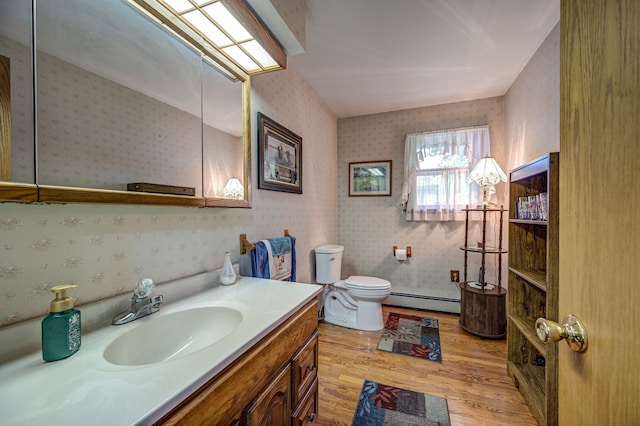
<point>10,191</point>
<point>246,142</point>
<point>26,192</point>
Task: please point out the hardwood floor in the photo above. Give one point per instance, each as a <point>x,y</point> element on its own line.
<point>472,375</point>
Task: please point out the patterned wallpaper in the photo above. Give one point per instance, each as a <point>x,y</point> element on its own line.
<point>369,227</point>
<point>105,249</point>
<point>532,106</point>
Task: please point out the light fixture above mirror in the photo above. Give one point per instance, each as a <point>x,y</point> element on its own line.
<point>225,30</point>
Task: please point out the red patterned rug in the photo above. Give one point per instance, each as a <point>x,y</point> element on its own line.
<point>387,405</point>
<point>411,335</point>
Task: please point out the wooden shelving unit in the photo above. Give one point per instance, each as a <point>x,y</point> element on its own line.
<point>483,310</point>
<point>533,287</point>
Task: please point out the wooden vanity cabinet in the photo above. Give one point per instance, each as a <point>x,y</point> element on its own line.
<point>304,383</point>
<point>307,410</point>
<point>304,369</point>
<point>264,376</point>
<point>273,405</point>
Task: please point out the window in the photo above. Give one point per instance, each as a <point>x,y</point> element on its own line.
<point>436,168</point>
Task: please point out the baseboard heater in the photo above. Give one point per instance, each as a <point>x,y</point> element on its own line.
<point>422,302</point>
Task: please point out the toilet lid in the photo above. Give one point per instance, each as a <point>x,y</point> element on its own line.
<point>358,282</point>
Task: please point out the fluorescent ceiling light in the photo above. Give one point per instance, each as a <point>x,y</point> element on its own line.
<point>222,16</point>
<point>210,26</point>
<point>259,54</point>
<point>241,58</point>
<point>179,5</point>
<point>207,28</point>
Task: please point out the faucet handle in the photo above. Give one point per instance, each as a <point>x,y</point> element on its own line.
<point>143,289</point>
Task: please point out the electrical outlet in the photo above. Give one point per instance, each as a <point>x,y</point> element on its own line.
<point>455,276</point>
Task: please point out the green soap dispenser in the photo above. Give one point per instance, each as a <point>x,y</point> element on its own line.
<point>61,329</point>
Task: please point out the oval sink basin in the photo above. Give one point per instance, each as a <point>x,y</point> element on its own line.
<point>173,335</point>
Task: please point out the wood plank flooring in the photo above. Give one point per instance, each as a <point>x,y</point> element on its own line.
<point>472,375</point>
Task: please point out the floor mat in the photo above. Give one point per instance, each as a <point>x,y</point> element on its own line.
<point>388,405</point>
<point>411,335</point>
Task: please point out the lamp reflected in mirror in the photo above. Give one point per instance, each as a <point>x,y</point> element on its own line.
<point>233,189</point>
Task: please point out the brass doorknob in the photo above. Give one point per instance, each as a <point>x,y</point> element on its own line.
<point>572,330</point>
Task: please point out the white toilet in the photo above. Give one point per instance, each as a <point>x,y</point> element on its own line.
<point>355,302</point>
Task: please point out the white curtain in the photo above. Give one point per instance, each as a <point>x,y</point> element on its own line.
<point>436,166</point>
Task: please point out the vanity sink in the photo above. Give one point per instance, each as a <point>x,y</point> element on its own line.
<point>173,335</point>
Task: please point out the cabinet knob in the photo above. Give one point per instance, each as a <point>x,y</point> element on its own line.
<point>311,367</point>
<point>311,417</point>
<point>572,330</point>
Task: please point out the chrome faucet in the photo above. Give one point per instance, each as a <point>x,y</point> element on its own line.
<point>141,304</point>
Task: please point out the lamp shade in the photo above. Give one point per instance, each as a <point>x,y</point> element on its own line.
<point>233,189</point>
<point>486,172</point>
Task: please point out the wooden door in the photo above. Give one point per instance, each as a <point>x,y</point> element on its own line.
<point>600,210</point>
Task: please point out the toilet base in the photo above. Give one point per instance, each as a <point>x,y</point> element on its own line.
<point>342,310</point>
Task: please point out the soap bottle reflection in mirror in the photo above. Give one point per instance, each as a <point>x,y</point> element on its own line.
<point>227,274</point>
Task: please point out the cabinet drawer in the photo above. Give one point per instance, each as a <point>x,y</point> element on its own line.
<point>272,406</point>
<point>305,368</point>
<point>307,411</point>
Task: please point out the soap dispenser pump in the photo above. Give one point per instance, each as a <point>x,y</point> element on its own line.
<point>61,329</point>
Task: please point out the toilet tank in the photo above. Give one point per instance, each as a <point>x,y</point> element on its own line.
<point>328,264</point>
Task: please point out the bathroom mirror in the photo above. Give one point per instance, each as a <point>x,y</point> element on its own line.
<point>128,113</point>
<point>17,168</point>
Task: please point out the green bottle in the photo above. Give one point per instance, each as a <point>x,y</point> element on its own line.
<point>61,329</point>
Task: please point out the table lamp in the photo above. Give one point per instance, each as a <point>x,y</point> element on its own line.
<point>486,173</point>
<point>233,189</point>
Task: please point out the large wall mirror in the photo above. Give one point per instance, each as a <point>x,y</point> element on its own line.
<point>126,111</point>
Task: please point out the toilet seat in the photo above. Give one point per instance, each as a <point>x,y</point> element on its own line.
<point>358,282</point>
<point>365,287</point>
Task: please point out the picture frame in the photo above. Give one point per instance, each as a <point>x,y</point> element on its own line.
<point>279,157</point>
<point>372,178</point>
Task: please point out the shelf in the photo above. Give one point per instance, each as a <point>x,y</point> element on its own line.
<point>480,209</point>
<point>525,383</point>
<point>533,287</point>
<point>536,277</point>
<point>495,291</point>
<point>487,250</point>
<point>529,222</point>
<point>527,329</point>
<point>483,312</point>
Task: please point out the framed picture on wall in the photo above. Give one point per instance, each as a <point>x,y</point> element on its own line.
<point>370,179</point>
<point>279,157</point>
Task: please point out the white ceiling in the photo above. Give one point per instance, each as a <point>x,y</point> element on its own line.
<point>371,56</point>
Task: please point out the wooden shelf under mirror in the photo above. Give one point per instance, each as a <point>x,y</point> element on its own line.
<point>10,191</point>
<point>61,194</point>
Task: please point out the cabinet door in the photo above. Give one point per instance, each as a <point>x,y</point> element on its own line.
<point>305,369</point>
<point>272,406</point>
<point>308,409</point>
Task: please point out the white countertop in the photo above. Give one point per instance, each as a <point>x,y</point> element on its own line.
<point>86,389</point>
